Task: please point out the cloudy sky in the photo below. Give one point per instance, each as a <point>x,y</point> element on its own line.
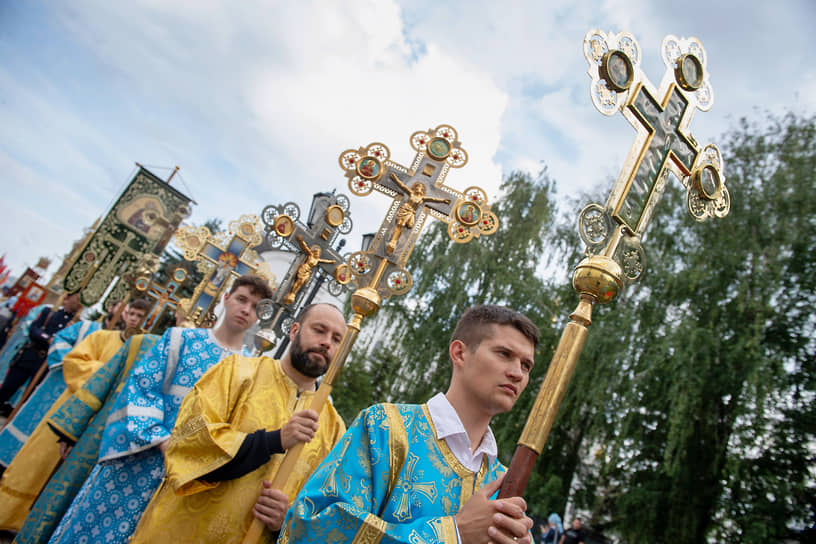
<point>256,100</point>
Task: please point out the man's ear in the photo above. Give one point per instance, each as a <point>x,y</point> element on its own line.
<point>456,351</point>
<point>293,331</point>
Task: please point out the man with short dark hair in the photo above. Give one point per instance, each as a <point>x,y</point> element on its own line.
<point>575,534</point>
<point>242,415</point>
<point>426,473</point>
<point>131,454</point>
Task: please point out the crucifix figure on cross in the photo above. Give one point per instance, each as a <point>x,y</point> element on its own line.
<point>164,298</point>
<point>220,257</point>
<point>378,270</point>
<point>406,214</point>
<point>612,233</point>
<point>312,242</point>
<point>417,193</point>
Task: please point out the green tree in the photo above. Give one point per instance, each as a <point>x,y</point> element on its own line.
<point>706,426</point>
<point>412,364</point>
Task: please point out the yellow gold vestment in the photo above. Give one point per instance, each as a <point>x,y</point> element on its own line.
<point>36,461</point>
<point>234,398</point>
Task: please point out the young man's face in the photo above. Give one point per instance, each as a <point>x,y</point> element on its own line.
<point>132,317</point>
<point>240,308</point>
<point>316,339</point>
<point>496,373</point>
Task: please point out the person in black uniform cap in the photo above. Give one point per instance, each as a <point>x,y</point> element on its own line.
<point>32,355</point>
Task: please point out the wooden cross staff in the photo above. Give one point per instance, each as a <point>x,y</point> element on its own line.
<point>378,271</point>
<point>312,241</point>
<point>612,232</point>
<point>221,256</point>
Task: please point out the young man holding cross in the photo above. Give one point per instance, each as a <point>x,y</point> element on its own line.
<point>425,473</point>
<point>229,435</point>
<point>131,453</point>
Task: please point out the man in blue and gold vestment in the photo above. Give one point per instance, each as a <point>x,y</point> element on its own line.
<point>426,473</point>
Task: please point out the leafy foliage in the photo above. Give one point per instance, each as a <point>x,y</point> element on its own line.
<point>691,415</point>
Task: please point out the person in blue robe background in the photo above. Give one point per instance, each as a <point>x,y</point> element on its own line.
<point>18,429</point>
<point>130,466</point>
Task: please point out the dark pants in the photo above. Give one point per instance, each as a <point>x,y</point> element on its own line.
<point>25,366</point>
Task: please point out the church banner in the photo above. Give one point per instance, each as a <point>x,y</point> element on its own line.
<point>142,220</point>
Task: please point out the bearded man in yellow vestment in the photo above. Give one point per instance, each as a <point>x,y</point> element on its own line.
<point>232,430</point>
<point>36,461</point>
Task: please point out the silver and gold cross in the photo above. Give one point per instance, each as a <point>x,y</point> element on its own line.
<point>312,241</point>
<point>612,232</point>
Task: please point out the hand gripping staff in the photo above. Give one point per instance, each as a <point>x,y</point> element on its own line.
<point>417,193</point>
<point>612,232</point>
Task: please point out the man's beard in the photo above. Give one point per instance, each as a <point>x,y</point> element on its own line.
<point>313,368</point>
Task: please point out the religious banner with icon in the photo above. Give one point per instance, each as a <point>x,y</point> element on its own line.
<point>32,295</point>
<point>221,257</point>
<point>142,220</point>
<point>612,233</point>
<point>26,278</point>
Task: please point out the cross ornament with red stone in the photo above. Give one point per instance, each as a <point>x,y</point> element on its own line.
<point>418,192</point>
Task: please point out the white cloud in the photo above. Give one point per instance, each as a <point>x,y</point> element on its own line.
<point>255,101</point>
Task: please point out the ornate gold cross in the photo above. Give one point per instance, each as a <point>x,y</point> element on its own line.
<point>661,117</point>
<point>417,193</point>
<point>612,233</point>
<point>221,257</point>
<point>378,271</point>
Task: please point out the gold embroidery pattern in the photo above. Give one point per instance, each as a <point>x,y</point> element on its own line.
<point>397,444</point>
<point>465,475</point>
<point>371,532</point>
<point>190,427</point>
<point>410,487</point>
<point>87,398</point>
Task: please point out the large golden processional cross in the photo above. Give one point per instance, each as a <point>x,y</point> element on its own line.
<point>378,271</point>
<point>221,257</point>
<point>612,233</point>
<point>312,243</point>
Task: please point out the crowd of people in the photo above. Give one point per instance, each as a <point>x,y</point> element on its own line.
<point>176,438</point>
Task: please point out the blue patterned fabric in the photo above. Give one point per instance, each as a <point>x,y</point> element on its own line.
<point>14,435</point>
<point>82,418</point>
<point>130,467</point>
<point>389,479</point>
<point>18,338</point>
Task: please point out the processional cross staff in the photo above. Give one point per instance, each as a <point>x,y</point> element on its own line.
<point>328,217</point>
<point>612,232</point>
<point>164,297</point>
<point>379,270</point>
<point>221,256</point>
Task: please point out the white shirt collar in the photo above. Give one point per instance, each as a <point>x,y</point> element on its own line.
<point>450,429</point>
